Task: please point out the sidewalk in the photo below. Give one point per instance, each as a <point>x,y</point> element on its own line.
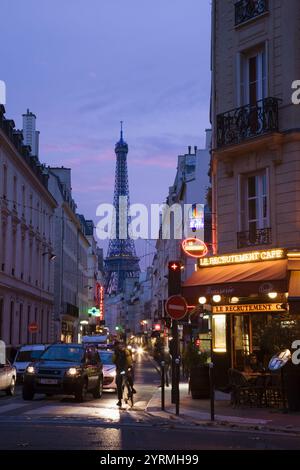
<point>198,412</point>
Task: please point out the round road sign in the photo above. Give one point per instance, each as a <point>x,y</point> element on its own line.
<point>176,307</point>
<point>33,327</point>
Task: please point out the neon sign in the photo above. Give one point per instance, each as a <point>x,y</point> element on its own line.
<point>194,247</point>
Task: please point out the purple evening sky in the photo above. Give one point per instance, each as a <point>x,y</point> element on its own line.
<point>83,65</point>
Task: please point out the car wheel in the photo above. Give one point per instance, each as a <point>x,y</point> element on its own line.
<point>10,391</point>
<point>81,392</point>
<point>27,393</point>
<point>97,392</point>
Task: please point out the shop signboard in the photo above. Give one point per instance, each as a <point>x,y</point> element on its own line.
<point>242,258</point>
<point>249,308</point>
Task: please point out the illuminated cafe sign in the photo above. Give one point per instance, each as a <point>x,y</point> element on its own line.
<point>248,308</point>
<point>241,258</point>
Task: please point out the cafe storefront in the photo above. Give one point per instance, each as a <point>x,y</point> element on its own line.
<point>253,302</point>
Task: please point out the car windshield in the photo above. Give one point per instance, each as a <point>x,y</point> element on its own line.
<point>29,356</point>
<point>106,357</point>
<point>63,353</point>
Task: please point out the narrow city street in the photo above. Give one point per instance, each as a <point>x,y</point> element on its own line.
<point>62,424</point>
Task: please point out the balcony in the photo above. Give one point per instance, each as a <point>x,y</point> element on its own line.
<point>254,238</point>
<point>246,10</point>
<point>247,122</point>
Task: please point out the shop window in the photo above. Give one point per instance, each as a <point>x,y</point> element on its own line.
<point>219,333</point>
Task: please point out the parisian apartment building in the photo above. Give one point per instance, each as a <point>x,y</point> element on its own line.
<point>255,265</point>
<point>26,241</point>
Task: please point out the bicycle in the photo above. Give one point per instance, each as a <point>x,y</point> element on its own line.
<point>127,390</point>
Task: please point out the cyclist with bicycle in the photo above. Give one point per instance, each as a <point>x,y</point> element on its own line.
<point>123,362</point>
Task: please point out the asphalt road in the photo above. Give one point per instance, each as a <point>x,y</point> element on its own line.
<point>60,423</point>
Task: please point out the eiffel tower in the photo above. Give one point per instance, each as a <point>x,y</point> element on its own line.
<point>121,261</point>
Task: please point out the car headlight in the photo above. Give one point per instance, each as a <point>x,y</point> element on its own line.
<point>140,350</point>
<point>30,370</point>
<point>72,372</point>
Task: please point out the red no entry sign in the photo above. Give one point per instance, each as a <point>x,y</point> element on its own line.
<point>33,327</point>
<point>176,307</point>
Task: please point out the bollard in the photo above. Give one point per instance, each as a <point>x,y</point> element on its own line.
<point>162,364</point>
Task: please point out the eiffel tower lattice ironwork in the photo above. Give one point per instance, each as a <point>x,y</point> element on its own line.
<point>121,261</point>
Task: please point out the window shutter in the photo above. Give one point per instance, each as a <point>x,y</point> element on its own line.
<point>266,70</point>
<point>268,197</point>
<point>241,204</point>
<point>239,80</point>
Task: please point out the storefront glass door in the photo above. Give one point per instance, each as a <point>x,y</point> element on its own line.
<point>241,335</point>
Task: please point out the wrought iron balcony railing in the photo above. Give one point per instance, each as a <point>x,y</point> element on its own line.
<point>240,124</point>
<point>246,10</point>
<point>254,238</point>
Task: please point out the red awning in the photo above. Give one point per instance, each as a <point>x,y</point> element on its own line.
<point>237,280</point>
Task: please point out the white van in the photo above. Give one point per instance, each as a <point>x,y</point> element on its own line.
<point>26,355</point>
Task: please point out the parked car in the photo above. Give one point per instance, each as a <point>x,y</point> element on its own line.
<point>109,370</point>
<point>68,369</point>
<point>8,376</point>
<point>27,354</point>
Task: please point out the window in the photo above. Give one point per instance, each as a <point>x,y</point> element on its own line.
<point>257,202</point>
<point>15,192</point>
<point>20,323</point>
<point>4,181</point>
<point>14,253</point>
<point>3,250</point>
<point>11,322</point>
<point>38,216</point>
<point>27,323</point>
<point>23,200</point>
<point>252,76</point>
<point>255,207</point>
<point>30,207</point>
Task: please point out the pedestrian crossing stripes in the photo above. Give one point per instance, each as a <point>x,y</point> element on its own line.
<point>103,409</point>
<point>11,407</point>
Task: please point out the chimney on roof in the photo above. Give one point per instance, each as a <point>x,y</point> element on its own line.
<point>190,149</point>
<point>195,149</point>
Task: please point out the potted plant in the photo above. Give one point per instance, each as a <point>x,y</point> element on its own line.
<point>196,366</point>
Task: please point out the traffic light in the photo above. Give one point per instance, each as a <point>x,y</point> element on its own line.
<point>174,278</point>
